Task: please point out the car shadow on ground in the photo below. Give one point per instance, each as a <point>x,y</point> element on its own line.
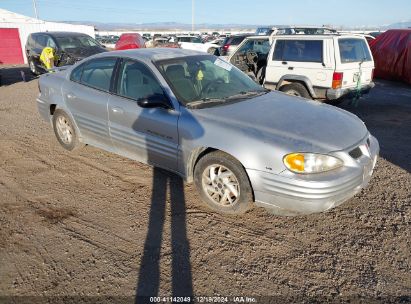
<point>386,112</point>
<point>13,74</point>
<point>149,274</point>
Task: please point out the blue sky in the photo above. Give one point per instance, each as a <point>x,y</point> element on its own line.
<point>308,12</point>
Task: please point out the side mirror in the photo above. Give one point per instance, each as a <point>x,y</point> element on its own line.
<point>155,101</point>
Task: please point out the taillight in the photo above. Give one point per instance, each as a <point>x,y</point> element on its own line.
<point>337,80</point>
<point>225,47</point>
<point>372,74</point>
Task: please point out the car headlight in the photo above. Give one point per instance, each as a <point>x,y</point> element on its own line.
<point>311,162</point>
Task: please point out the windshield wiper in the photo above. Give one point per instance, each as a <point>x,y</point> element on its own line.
<point>246,94</point>
<point>243,94</point>
<point>195,103</point>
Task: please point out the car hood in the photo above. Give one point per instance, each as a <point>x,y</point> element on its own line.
<point>279,118</point>
<point>80,53</point>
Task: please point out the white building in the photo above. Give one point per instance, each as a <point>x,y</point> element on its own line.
<point>15,28</point>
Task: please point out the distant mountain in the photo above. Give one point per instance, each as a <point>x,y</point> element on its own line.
<point>164,26</point>
<point>400,25</point>
<point>171,26</point>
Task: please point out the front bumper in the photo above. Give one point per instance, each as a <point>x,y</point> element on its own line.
<point>293,194</point>
<point>333,94</point>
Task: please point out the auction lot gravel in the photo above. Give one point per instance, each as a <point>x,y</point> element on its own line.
<point>89,224</point>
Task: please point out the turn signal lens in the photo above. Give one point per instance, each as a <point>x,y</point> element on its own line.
<point>295,162</point>
<point>311,162</point>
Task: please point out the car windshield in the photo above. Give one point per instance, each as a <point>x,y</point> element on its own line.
<point>72,42</point>
<point>203,79</point>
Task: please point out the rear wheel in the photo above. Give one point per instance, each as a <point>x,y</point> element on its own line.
<point>295,89</point>
<point>223,183</point>
<point>65,130</point>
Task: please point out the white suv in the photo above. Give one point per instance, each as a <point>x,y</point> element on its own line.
<point>325,67</point>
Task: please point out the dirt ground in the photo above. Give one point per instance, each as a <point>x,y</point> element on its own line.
<point>92,226</point>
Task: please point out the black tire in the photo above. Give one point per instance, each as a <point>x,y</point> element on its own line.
<point>296,89</point>
<point>33,67</point>
<point>69,145</point>
<point>244,200</point>
<point>260,77</point>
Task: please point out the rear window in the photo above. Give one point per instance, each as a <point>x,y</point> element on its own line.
<point>353,50</point>
<point>236,40</point>
<point>298,50</point>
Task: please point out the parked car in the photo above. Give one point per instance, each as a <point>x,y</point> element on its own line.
<point>251,56</point>
<point>69,48</point>
<point>264,31</point>
<point>130,41</point>
<point>196,44</point>
<point>231,43</point>
<point>161,42</point>
<point>200,117</point>
<point>324,67</point>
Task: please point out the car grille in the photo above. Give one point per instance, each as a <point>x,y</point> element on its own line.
<point>355,153</point>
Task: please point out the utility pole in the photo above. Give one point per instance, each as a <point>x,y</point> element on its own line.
<point>192,15</point>
<point>35,9</point>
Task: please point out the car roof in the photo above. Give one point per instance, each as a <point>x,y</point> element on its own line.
<point>61,34</point>
<point>322,36</point>
<point>258,37</point>
<point>153,54</point>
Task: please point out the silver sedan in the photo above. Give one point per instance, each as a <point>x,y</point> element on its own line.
<point>200,117</point>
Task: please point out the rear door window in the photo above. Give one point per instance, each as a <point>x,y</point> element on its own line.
<point>299,50</point>
<point>97,73</point>
<point>353,50</point>
<point>76,74</point>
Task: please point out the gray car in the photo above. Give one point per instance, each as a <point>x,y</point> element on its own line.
<point>198,116</point>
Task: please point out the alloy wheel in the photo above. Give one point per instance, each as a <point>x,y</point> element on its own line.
<point>221,185</point>
<point>64,130</point>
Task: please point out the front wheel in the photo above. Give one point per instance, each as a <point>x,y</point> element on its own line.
<point>65,130</point>
<point>33,67</point>
<point>223,183</point>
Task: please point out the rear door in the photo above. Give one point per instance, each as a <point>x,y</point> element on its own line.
<point>354,60</point>
<point>86,95</point>
<point>148,135</point>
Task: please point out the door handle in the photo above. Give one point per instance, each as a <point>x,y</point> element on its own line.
<point>117,110</point>
<point>291,68</point>
<point>71,96</point>
<point>284,62</point>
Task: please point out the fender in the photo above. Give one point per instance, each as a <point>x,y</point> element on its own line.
<point>304,79</point>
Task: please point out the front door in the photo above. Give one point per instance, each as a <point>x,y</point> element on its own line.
<point>148,135</point>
